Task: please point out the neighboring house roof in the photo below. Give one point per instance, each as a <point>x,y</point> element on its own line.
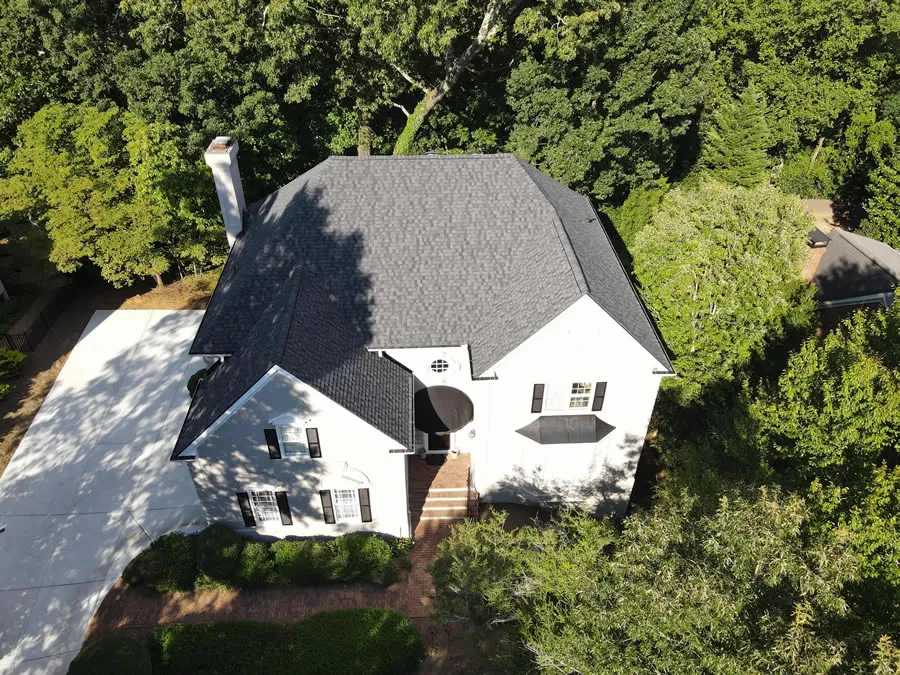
<point>440,250</point>
<point>310,332</point>
<point>855,266</point>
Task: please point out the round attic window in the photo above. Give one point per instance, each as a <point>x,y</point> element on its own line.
<point>440,366</point>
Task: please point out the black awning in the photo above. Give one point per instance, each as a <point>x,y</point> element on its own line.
<point>442,409</point>
<point>553,429</point>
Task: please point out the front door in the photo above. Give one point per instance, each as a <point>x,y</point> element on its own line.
<point>439,443</point>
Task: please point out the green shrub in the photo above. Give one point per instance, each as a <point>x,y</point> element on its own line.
<point>112,656</point>
<point>167,566</point>
<point>364,641</point>
<point>232,647</point>
<point>302,562</point>
<point>257,564</point>
<point>4,390</point>
<point>219,551</point>
<point>401,546</point>
<point>11,363</point>
<point>367,557</point>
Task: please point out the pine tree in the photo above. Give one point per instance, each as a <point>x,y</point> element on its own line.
<point>883,205</point>
<point>736,147</point>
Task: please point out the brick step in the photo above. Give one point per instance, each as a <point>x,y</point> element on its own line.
<point>436,491</point>
<point>458,519</point>
<point>429,513</point>
<point>431,506</point>
<point>450,501</point>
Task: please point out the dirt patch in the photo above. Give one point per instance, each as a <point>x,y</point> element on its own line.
<point>190,293</point>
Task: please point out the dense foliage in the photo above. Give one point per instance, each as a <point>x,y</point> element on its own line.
<point>744,588</point>
<point>220,557</point>
<point>118,98</point>
<point>112,656</point>
<point>366,641</point>
<point>720,270</point>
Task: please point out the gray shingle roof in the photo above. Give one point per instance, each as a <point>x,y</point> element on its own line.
<point>309,331</point>
<point>422,251</point>
<point>446,249</point>
<point>853,266</point>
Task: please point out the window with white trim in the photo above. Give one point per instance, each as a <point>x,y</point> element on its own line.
<point>571,396</point>
<point>292,440</point>
<point>265,507</point>
<point>346,505</point>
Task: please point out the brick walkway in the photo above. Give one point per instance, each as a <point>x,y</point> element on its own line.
<point>128,607</point>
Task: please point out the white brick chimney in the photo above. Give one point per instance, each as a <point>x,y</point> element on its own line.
<point>221,156</point>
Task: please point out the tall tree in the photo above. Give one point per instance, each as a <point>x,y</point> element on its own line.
<point>736,148</point>
<point>831,428</point>
<point>606,106</point>
<point>883,205</point>
<point>109,188</point>
<point>743,589</point>
<point>720,271</point>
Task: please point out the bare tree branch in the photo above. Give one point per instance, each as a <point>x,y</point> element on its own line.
<point>397,105</point>
<point>409,78</point>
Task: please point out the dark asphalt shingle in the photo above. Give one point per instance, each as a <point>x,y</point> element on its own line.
<point>421,251</point>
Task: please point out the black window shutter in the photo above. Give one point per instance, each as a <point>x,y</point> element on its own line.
<point>283,508</point>
<point>246,511</point>
<point>327,506</point>
<point>537,398</point>
<point>599,395</point>
<point>272,442</point>
<point>365,508</point>
<point>312,440</point>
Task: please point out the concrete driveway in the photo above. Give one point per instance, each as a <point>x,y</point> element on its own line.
<point>91,485</point>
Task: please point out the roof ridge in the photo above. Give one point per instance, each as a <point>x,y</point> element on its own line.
<point>561,233</point>
<point>421,156</point>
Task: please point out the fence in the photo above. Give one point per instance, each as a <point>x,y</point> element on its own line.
<point>28,331</point>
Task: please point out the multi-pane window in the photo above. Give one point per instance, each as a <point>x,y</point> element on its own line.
<point>293,442</point>
<point>440,365</point>
<point>346,504</point>
<point>580,395</point>
<point>265,508</point>
<point>568,396</point>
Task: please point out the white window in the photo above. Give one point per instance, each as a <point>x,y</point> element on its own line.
<point>580,395</point>
<point>265,508</point>
<point>440,365</point>
<point>570,396</point>
<point>292,440</point>
<point>346,505</point>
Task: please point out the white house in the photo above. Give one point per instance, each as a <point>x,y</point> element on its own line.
<point>379,314</point>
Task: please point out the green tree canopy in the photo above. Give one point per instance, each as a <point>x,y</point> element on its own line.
<point>606,109</point>
<point>107,187</point>
<point>831,428</point>
<point>743,589</point>
<point>736,147</point>
<point>720,271</point>
<point>883,206</point>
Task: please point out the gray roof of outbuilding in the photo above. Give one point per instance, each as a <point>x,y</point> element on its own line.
<point>331,358</point>
<point>854,266</point>
<point>435,250</point>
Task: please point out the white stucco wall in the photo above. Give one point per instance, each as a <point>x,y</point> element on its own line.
<point>583,344</point>
<point>235,458</point>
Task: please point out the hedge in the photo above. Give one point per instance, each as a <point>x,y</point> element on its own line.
<point>221,557</point>
<point>169,565</point>
<point>364,641</point>
<point>112,656</point>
